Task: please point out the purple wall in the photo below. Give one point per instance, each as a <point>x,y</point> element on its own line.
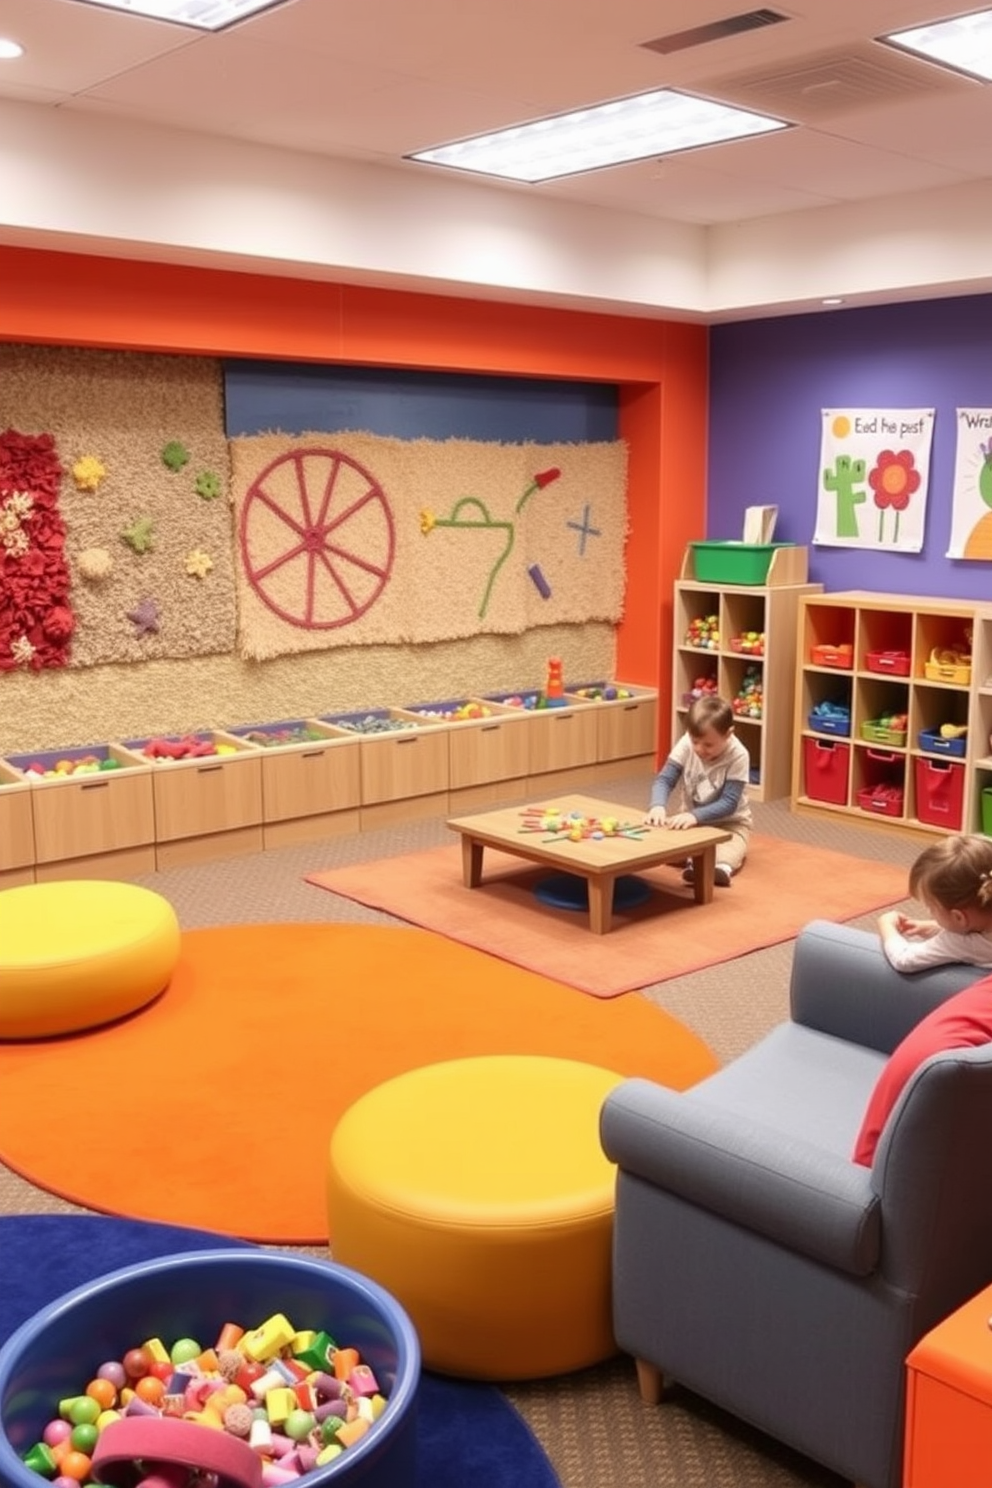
<point>769,379</point>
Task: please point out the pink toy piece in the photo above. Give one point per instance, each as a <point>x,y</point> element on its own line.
<point>172,1449</point>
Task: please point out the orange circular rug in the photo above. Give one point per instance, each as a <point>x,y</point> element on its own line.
<point>213,1107</point>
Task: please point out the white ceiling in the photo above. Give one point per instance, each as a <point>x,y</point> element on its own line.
<point>368,83</point>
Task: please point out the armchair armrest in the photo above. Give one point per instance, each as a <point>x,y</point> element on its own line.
<point>785,1189</point>
<point>843,985</point>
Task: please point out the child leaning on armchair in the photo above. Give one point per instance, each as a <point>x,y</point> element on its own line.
<point>953,878</point>
<point>712,766</point>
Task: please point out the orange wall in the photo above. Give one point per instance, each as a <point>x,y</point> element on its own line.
<point>71,299</point>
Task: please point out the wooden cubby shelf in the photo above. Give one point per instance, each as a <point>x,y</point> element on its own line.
<point>910,753</point>
<point>737,612</point>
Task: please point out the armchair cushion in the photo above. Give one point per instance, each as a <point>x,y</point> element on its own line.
<point>779,1185</point>
<point>964,1021</point>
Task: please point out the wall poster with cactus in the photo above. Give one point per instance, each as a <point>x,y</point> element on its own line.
<point>971,495</point>
<point>874,478</point>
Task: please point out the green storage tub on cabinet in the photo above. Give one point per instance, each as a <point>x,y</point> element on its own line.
<point>734,562</point>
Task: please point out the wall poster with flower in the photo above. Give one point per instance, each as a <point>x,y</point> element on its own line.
<point>874,478</point>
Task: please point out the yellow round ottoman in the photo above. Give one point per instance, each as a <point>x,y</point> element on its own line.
<point>79,953</point>
<point>476,1192</point>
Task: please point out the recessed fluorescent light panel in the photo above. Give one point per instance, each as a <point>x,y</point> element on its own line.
<point>613,133</point>
<point>963,43</point>
<point>204,15</point>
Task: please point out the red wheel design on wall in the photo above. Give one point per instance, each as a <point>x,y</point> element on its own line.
<point>317,538</point>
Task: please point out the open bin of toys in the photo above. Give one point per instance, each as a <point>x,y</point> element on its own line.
<point>208,795</point>
<point>949,739</point>
<point>311,779</point>
<point>402,758</point>
<point>562,737</point>
<point>265,1304</point>
<point>487,748</point>
<point>628,717</point>
<point>91,804</point>
<point>890,728</point>
<point>882,787</point>
<point>830,717</point>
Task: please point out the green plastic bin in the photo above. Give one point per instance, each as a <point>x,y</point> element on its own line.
<point>734,562</point>
<point>987,810</point>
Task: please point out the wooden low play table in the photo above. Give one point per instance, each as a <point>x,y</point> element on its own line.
<point>599,860</point>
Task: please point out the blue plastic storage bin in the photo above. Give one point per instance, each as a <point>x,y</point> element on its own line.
<point>57,1351</point>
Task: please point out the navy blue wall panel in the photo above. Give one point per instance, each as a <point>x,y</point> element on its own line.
<point>294,398</point>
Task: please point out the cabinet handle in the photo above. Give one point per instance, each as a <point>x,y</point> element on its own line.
<point>408,741</point>
<point>563,717</point>
<point>491,728</point>
<point>95,784</point>
<point>631,707</point>
<point>207,769</point>
<point>314,753</point>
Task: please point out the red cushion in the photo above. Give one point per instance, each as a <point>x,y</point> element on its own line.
<point>964,1019</point>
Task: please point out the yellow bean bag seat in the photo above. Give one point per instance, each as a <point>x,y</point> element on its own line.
<point>79,953</point>
<point>476,1192</point>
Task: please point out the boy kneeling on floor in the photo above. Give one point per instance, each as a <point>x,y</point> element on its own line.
<point>712,767</point>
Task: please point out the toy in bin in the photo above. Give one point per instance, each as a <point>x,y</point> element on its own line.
<point>749,700</point>
<point>829,717</point>
<point>950,738</point>
<point>950,663</point>
<point>554,687</point>
<point>749,643</point>
<point>704,633</point>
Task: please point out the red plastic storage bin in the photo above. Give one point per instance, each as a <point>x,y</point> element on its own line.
<point>826,762</point>
<point>894,663</point>
<point>940,793</point>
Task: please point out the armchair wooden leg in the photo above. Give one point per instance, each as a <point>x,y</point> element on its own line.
<point>650,1382</point>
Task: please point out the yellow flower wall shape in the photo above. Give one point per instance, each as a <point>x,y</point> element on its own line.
<point>88,473</point>
<point>198,563</point>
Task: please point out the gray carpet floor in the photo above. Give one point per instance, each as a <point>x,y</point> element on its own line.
<point>593,1425</point>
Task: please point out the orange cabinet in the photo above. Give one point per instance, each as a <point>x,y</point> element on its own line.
<point>949,1402</point>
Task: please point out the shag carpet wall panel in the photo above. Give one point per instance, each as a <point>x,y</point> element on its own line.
<point>354,539</point>
<point>136,508</point>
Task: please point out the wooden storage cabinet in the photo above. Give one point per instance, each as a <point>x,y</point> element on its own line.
<point>404,770</point>
<point>884,658</point>
<point>626,727</point>
<point>311,788</point>
<point>90,825</point>
<point>16,829</point>
<point>487,752</point>
<point>734,613</point>
<point>206,807</point>
<point>561,742</point>
<point>949,1402</point>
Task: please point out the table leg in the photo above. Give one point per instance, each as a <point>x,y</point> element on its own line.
<point>601,903</point>
<point>703,866</point>
<point>471,862</point>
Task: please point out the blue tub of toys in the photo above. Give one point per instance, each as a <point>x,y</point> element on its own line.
<point>205,1296</point>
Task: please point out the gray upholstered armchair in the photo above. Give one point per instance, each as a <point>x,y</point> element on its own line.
<point>758,1265</point>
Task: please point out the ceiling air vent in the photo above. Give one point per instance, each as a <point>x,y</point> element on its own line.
<point>810,88</point>
<point>748,20</point>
